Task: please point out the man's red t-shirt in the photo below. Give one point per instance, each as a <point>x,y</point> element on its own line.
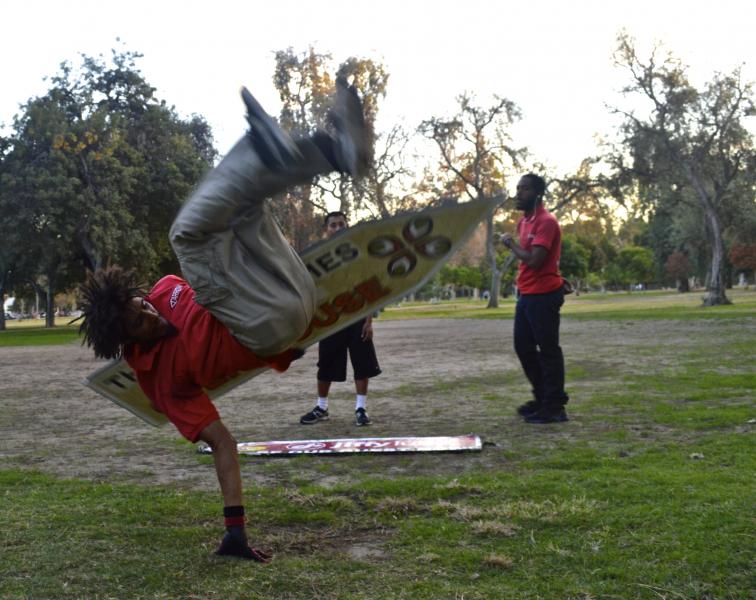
<point>175,371</point>
<point>540,229</point>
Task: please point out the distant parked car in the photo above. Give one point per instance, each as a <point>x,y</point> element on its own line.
<point>9,316</point>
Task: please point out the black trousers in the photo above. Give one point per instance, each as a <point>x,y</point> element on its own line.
<point>536,342</point>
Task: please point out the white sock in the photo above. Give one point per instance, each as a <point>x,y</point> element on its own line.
<point>323,402</point>
<point>361,401</point>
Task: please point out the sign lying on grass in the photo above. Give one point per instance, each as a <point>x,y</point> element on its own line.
<point>356,272</point>
<point>460,443</point>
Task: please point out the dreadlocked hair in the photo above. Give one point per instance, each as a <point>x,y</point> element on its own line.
<point>104,299</point>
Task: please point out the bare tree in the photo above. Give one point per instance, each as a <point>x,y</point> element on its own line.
<point>476,153</point>
<point>384,188</point>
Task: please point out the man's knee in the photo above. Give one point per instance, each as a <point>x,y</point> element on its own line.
<point>186,231</point>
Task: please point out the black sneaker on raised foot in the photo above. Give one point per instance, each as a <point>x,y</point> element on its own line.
<point>361,417</point>
<point>529,408</point>
<point>274,146</point>
<point>315,415</point>
<point>350,142</point>
<point>545,416</point>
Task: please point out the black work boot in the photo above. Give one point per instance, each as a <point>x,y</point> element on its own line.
<point>547,415</point>
<point>529,408</point>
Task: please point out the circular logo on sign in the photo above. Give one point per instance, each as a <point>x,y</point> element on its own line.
<point>417,228</point>
<point>434,247</point>
<point>401,264</point>
<point>402,259</point>
<point>384,246</point>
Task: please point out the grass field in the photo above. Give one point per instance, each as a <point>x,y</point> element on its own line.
<point>648,493</point>
<point>34,333</point>
<point>624,305</point>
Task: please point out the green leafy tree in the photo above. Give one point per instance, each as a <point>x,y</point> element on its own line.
<point>632,265</point>
<point>690,138</point>
<point>95,171</point>
<point>11,249</point>
<point>40,194</point>
<point>461,276</point>
<point>584,200</point>
<point>574,260</point>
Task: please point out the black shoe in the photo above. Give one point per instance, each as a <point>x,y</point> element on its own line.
<point>529,408</point>
<point>235,544</point>
<point>274,147</point>
<point>315,415</point>
<point>547,415</point>
<point>350,141</point>
<point>361,417</point>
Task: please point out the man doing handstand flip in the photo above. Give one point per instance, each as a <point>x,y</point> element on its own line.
<point>246,297</point>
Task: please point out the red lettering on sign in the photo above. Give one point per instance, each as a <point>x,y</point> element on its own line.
<point>345,303</point>
<point>349,302</point>
<point>331,316</point>
<point>372,290</point>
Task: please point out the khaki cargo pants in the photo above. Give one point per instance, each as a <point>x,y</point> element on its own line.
<point>234,255</point>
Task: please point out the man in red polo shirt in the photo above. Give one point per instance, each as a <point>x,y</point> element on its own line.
<point>247,297</point>
<point>540,297</point>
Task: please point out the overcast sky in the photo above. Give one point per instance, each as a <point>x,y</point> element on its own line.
<point>553,58</point>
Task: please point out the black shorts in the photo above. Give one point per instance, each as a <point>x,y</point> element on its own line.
<point>332,355</point>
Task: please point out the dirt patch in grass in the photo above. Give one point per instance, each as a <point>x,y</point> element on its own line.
<point>440,377</point>
<point>366,551</point>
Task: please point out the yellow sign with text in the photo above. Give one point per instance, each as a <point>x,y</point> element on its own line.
<point>356,272</point>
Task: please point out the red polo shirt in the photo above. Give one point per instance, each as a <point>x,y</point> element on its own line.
<point>175,371</point>
<point>540,229</point>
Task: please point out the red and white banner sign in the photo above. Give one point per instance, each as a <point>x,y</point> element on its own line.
<point>459,443</point>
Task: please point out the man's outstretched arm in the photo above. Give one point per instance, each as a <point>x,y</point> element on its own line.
<point>226,457</point>
<point>223,444</point>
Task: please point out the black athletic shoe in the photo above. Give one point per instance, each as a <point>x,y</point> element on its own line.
<point>529,408</point>
<point>315,415</point>
<point>350,141</point>
<point>545,416</point>
<point>274,147</point>
<point>361,417</point>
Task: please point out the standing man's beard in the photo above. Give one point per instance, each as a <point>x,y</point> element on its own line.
<point>527,205</point>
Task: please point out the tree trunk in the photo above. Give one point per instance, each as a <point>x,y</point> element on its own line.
<point>683,285</point>
<point>715,291</point>
<point>50,303</point>
<point>493,299</point>
<point>3,281</point>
